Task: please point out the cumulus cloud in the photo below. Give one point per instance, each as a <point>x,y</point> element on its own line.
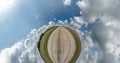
<point>99,45</point>
<point>105,33</point>
<point>92,9</point>
<point>26,50</point>
<point>67,2</point>
<point>89,53</point>
<point>11,55</point>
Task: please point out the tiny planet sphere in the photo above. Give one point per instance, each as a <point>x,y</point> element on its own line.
<point>59,44</point>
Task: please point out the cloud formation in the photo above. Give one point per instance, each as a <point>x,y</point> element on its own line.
<point>92,9</point>
<point>106,34</point>
<point>105,31</point>
<point>99,45</point>
<point>11,55</point>
<point>67,2</point>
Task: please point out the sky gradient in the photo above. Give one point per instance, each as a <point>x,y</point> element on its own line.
<point>17,20</point>
<point>96,22</point>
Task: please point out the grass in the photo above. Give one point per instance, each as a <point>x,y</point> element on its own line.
<point>42,45</point>
<point>77,43</point>
<point>43,41</point>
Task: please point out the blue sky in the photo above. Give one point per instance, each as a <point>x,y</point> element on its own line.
<point>19,19</point>
<point>98,27</point>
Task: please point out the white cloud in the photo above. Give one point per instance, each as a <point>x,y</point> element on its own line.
<point>67,2</point>
<point>10,55</point>
<point>87,55</point>
<point>51,23</point>
<point>92,9</point>
<point>100,45</point>
<point>75,25</point>
<point>107,35</point>
<point>77,22</point>
<point>26,51</point>
<point>105,32</point>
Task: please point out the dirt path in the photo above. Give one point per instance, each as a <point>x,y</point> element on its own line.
<point>61,45</point>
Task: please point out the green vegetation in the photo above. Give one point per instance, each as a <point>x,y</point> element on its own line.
<point>42,45</point>
<point>78,45</point>
<point>43,41</point>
